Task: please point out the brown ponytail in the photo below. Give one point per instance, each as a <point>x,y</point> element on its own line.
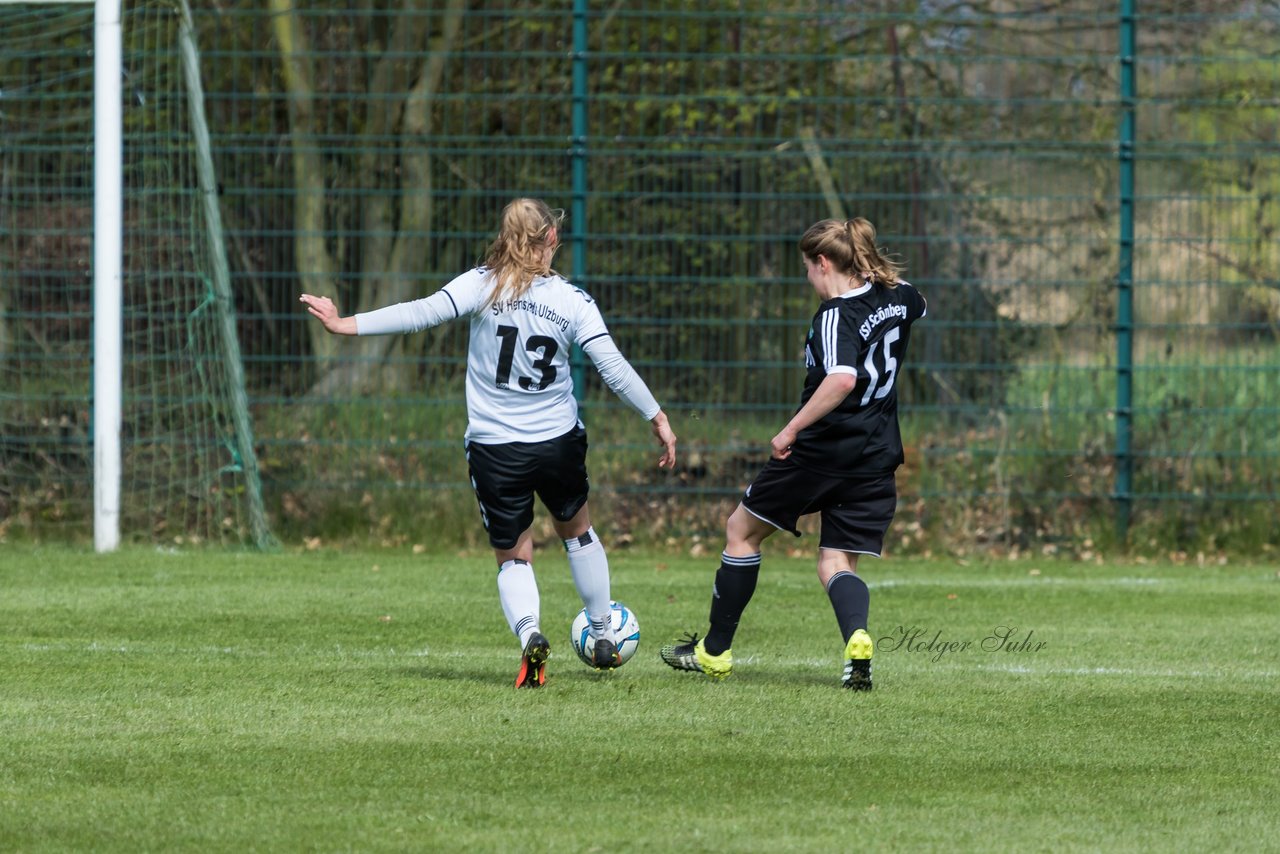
<point>851,248</point>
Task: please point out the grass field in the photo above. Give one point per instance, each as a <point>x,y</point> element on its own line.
<point>361,702</point>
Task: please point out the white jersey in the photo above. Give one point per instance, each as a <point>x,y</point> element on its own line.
<point>519,387</point>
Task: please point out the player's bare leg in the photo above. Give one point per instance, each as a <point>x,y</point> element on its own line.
<point>744,533</point>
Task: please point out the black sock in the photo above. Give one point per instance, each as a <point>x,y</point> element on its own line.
<point>735,584</point>
<point>851,599</point>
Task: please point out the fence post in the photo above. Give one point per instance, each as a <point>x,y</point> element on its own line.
<point>578,154</point>
<point>1124,279</point>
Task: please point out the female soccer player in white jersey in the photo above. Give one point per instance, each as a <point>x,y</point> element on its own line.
<point>836,456</point>
<point>523,435</point>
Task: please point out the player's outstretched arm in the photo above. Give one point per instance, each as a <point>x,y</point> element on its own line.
<point>666,438</point>
<point>323,309</point>
<point>626,384</point>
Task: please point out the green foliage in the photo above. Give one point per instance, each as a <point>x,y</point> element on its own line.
<point>188,701</point>
<point>1200,431</point>
<point>1241,126</point>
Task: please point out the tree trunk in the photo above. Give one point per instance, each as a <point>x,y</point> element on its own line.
<point>315,266</point>
<point>392,250</point>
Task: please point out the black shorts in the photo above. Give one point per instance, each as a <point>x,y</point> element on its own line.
<point>856,512</point>
<point>505,478</point>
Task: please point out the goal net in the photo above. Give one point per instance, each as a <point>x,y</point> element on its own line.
<point>188,471</point>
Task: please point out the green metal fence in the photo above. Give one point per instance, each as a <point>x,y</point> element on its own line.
<point>1085,195</point>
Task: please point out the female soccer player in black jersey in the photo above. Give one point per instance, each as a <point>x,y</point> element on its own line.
<point>836,456</point>
<point>523,433</point>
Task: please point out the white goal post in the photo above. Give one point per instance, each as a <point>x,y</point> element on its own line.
<point>108,261</point>
<point>163,321</point>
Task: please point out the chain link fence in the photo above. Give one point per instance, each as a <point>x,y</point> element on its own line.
<point>1085,195</point>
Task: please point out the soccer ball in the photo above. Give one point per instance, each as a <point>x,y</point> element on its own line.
<point>626,633</point>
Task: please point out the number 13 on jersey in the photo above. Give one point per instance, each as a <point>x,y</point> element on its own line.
<point>541,345</point>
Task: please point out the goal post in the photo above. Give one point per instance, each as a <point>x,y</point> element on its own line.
<point>150,360</point>
<point>108,260</point>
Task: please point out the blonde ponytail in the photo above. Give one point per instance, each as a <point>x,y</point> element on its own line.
<point>517,255</point>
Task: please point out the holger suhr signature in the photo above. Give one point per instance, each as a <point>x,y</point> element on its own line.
<point>919,639</point>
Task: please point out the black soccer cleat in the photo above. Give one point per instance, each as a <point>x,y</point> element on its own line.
<point>533,663</point>
<point>605,655</point>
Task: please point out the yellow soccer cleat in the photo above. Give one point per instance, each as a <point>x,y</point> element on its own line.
<point>692,655</point>
<point>857,665</point>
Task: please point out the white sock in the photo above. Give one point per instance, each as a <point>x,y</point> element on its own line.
<point>590,569</point>
<point>518,590</point>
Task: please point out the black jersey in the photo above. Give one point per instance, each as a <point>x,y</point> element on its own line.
<point>864,333</point>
